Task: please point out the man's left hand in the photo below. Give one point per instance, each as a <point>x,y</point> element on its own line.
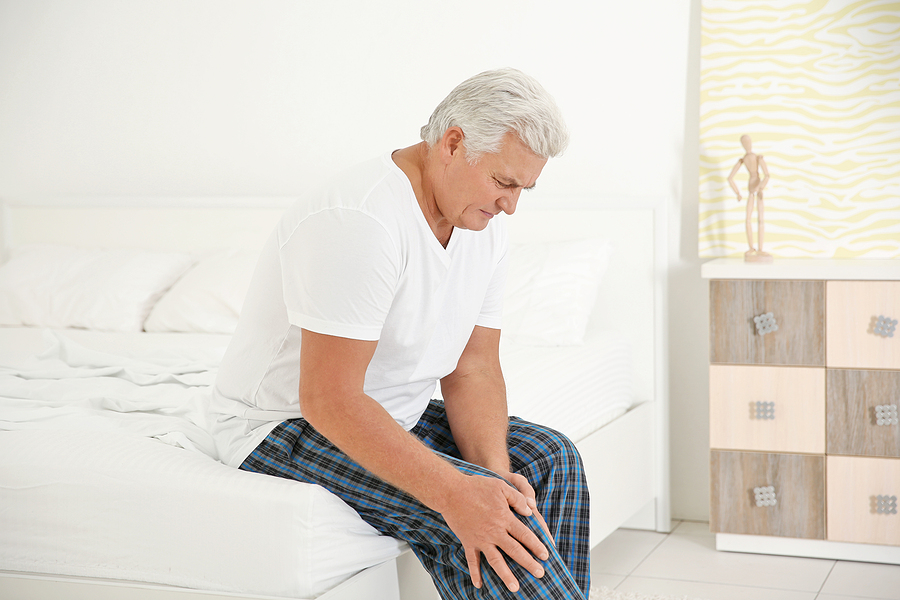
<point>521,484</point>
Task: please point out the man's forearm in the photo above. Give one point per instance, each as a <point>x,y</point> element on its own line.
<point>364,431</point>
<point>477,413</point>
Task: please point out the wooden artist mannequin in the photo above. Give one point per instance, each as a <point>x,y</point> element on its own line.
<point>753,162</point>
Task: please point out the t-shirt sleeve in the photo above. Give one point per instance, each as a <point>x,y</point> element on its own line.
<point>492,307</point>
<point>340,270</point>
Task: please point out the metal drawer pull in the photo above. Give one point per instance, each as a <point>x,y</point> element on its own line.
<point>886,414</point>
<point>886,505</point>
<point>765,323</point>
<point>765,496</point>
<point>885,326</point>
<point>765,410</point>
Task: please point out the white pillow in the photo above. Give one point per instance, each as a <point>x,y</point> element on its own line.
<point>551,289</point>
<point>208,298</point>
<point>63,286</point>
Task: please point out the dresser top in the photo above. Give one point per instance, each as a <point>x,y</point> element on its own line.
<point>803,268</point>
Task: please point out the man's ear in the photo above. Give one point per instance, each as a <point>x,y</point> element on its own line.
<point>451,143</point>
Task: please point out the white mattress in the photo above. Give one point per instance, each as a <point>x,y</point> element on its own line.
<point>573,389</point>
<point>113,478</point>
<point>130,494</point>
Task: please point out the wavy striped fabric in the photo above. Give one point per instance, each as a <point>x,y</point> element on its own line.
<point>816,84</point>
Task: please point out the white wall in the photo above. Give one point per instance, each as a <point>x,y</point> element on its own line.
<point>262,97</point>
<point>259,97</point>
<point>689,314</point>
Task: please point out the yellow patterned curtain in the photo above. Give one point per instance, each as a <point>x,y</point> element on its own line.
<point>817,87</point>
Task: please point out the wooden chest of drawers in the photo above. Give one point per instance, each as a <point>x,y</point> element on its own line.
<point>804,389</point>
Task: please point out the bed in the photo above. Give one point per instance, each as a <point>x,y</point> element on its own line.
<point>109,483</point>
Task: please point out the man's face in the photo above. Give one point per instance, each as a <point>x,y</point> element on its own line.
<point>473,194</point>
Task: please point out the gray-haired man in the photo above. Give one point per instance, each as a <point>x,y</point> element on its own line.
<point>370,291</point>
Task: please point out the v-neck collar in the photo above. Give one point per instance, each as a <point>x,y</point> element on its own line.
<point>433,241</point>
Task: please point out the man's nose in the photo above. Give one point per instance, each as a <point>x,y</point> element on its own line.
<point>509,202</point>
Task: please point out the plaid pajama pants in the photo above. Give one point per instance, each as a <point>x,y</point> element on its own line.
<point>550,462</point>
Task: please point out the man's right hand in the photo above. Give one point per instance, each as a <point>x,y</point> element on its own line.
<point>480,513</point>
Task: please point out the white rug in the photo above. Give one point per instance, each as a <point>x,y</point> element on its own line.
<point>604,593</point>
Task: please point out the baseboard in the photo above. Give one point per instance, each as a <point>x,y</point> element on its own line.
<point>645,518</point>
<point>762,544</point>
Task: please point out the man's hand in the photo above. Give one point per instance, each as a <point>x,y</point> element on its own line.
<point>479,514</point>
<point>525,488</point>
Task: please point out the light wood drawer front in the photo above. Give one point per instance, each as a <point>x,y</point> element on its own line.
<point>854,487</point>
<point>795,423</point>
<point>853,308</point>
<point>737,485</point>
<point>798,308</point>
<point>862,409</point>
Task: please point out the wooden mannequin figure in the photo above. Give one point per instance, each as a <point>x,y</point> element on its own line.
<point>753,162</point>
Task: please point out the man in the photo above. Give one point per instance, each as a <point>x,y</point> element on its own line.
<point>369,292</point>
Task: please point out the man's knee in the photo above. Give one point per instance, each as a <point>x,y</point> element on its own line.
<point>565,454</point>
<point>546,444</point>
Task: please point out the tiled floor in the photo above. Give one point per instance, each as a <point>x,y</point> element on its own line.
<point>686,563</point>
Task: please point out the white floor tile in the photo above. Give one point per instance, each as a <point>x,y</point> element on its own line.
<point>833,597</point>
<point>707,591</point>
<point>688,554</point>
<point>624,550</point>
<point>865,580</point>
<point>605,580</point>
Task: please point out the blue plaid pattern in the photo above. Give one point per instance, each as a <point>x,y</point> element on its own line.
<point>550,462</point>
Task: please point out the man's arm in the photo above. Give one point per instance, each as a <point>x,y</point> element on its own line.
<point>477,509</point>
<point>475,401</point>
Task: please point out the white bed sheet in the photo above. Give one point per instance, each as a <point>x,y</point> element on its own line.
<point>100,488</point>
<point>106,474</point>
<point>573,389</point>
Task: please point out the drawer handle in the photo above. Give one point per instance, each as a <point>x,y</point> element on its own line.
<point>885,326</point>
<point>765,410</point>
<point>886,414</point>
<point>765,496</point>
<point>886,505</point>
<point>765,323</point>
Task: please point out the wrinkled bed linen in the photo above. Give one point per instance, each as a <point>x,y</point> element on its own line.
<point>107,473</point>
<point>164,397</point>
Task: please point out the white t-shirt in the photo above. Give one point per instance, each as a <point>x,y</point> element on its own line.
<point>358,260</point>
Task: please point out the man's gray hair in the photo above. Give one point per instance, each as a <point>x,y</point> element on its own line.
<point>493,103</point>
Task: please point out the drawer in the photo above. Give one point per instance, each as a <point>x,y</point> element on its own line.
<point>853,309</point>
<point>862,500</point>
<point>793,422</point>
<point>738,499</point>
<point>798,308</point>
<point>862,409</point>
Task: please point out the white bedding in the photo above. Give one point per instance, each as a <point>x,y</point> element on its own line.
<point>573,389</point>
<point>107,473</point>
<point>115,476</point>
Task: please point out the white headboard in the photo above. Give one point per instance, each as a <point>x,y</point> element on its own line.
<point>192,224</point>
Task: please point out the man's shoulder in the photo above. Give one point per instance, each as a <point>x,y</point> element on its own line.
<point>351,188</point>
<point>374,190</point>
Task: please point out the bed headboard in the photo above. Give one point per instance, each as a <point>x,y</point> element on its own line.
<point>194,224</point>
